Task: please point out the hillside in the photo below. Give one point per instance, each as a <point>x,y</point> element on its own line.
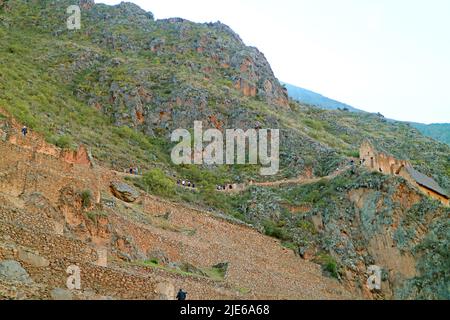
<point>437,131</point>
<point>118,87</point>
<point>144,249</point>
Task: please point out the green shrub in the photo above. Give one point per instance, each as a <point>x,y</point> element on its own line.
<point>313,197</point>
<point>306,226</point>
<point>314,124</point>
<point>64,142</point>
<point>86,198</point>
<point>273,230</point>
<point>329,265</point>
<point>157,182</point>
<point>352,153</point>
<point>290,245</point>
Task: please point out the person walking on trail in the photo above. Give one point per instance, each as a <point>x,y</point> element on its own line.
<point>24,131</point>
<point>181,295</point>
<point>131,170</point>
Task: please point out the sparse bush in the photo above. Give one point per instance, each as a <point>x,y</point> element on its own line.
<point>290,245</point>
<point>64,142</point>
<point>86,198</point>
<point>273,230</point>
<point>306,226</point>
<point>94,215</point>
<point>329,265</point>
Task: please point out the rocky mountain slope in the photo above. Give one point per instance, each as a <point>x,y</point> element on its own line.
<point>122,83</point>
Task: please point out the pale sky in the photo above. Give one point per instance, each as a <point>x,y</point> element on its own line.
<point>388,56</point>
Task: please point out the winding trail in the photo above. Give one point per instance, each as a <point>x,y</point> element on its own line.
<point>285,182</point>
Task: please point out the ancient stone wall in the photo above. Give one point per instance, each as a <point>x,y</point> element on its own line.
<point>387,164</point>
<point>379,161</point>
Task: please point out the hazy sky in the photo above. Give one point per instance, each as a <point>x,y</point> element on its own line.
<point>388,56</point>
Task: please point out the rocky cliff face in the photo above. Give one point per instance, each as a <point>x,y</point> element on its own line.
<point>182,62</point>
<point>356,220</point>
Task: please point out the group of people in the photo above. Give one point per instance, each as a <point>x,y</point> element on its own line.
<point>133,171</point>
<point>223,188</point>
<point>361,162</point>
<point>186,184</point>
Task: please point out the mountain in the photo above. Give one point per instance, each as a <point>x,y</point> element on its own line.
<point>314,99</point>
<point>437,131</point>
<point>105,98</point>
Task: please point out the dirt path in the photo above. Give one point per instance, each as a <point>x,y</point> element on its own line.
<point>285,182</point>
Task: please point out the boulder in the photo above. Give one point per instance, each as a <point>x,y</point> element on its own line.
<point>3,136</point>
<point>33,259</point>
<point>189,268</point>
<point>124,192</point>
<point>165,291</point>
<point>61,294</point>
<point>12,270</point>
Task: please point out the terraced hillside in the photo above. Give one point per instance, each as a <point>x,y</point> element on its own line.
<point>145,249</point>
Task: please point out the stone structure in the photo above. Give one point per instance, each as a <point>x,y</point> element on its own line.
<point>375,160</point>
<point>379,161</point>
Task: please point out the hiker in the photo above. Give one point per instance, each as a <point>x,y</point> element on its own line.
<point>24,131</point>
<point>181,295</point>
<point>136,171</point>
<point>131,170</point>
<point>183,183</point>
<point>189,184</point>
<point>193,186</point>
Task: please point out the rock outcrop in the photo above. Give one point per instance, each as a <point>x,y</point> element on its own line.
<point>11,270</point>
<point>124,192</point>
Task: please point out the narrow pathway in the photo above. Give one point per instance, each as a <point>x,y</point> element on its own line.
<point>284,182</point>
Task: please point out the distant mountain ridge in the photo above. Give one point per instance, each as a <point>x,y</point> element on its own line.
<point>315,99</point>
<point>437,131</point>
